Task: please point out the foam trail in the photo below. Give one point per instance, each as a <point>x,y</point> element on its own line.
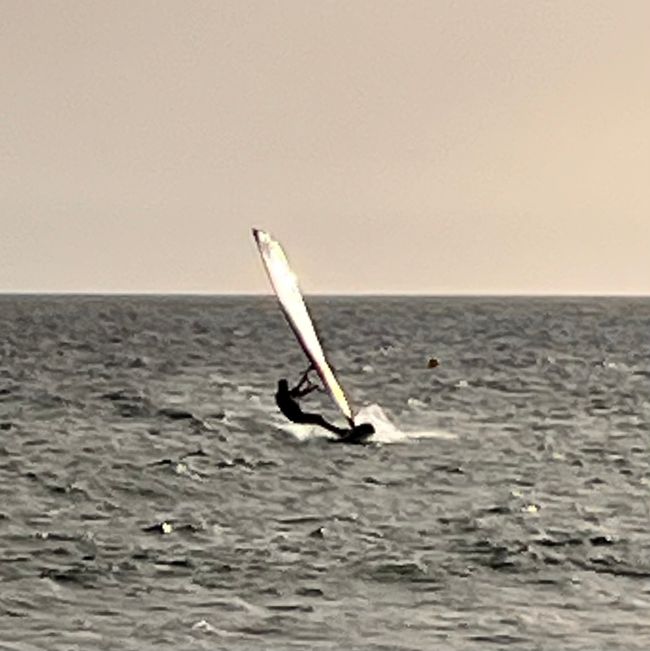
<point>385,430</point>
<point>304,432</point>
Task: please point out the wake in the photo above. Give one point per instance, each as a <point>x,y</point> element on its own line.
<point>386,431</point>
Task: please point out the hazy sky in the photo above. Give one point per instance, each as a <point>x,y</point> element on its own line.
<point>483,146</point>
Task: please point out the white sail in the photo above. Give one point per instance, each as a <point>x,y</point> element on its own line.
<point>285,284</point>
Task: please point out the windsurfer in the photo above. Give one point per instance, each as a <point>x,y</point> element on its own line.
<point>285,285</point>
<point>287,398</point>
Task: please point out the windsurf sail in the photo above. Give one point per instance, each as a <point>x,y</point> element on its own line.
<point>285,285</point>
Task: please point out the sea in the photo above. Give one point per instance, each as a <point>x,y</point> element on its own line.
<point>152,496</point>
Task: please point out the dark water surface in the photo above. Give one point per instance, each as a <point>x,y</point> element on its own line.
<point>153,498</point>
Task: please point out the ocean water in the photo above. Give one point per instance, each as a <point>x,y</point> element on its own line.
<point>152,496</point>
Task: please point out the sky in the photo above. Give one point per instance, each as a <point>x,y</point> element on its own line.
<point>433,147</point>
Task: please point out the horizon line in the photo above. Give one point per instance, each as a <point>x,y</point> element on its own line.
<point>206,294</point>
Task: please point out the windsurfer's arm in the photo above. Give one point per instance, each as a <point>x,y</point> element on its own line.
<point>297,392</point>
<point>305,385</point>
<point>305,377</point>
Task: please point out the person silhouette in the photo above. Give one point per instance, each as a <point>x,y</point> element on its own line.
<point>287,400</point>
